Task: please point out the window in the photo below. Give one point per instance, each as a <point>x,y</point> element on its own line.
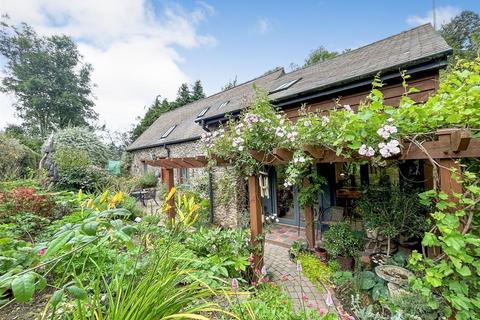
<point>286,85</point>
<point>223,104</point>
<point>167,133</point>
<point>202,113</point>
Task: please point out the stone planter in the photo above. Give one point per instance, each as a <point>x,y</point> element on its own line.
<point>394,274</point>
<point>377,259</point>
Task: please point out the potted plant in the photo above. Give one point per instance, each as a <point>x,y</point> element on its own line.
<point>148,180</point>
<point>388,212</point>
<point>343,243</point>
<point>297,248</point>
<point>321,253</point>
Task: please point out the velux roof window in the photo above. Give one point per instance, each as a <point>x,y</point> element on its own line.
<point>167,133</point>
<point>202,113</point>
<point>285,85</point>
<point>223,104</point>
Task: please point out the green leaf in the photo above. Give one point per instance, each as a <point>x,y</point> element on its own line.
<point>429,240</point>
<point>77,292</point>
<point>367,280</point>
<point>56,297</point>
<point>41,283</point>
<point>23,287</point>
<point>56,244</point>
<point>90,228</point>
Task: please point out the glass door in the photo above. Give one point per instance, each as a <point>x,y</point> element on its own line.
<point>285,199</point>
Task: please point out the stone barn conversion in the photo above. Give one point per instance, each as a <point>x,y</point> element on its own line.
<point>173,140</point>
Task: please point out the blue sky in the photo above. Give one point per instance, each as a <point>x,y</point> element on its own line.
<point>293,29</point>
<point>142,48</point>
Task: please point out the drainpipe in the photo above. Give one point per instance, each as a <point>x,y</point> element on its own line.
<point>167,149</point>
<point>210,194</point>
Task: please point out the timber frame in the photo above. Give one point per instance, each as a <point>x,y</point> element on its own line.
<point>442,153</point>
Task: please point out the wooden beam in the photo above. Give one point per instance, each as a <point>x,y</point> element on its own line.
<point>315,151</point>
<point>283,154</point>
<point>167,179</point>
<point>448,178</point>
<point>256,224</point>
<point>309,222</point>
<point>264,157</point>
<point>459,140</point>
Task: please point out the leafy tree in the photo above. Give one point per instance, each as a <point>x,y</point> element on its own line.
<point>230,84</point>
<point>51,84</point>
<point>463,34</point>
<point>184,96</point>
<point>18,132</point>
<point>319,55</point>
<point>197,91</point>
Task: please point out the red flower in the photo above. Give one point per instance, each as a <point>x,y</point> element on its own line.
<point>41,252</point>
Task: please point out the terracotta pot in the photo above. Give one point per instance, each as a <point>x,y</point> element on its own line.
<point>321,254</point>
<point>346,263</point>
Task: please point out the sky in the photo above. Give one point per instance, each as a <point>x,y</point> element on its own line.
<point>143,48</point>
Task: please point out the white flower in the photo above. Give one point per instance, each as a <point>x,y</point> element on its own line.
<point>385,153</point>
<point>301,159</point>
<point>347,107</point>
<point>138,219</point>
<point>363,150</point>
<point>394,150</point>
<point>370,152</point>
<point>381,145</point>
<point>390,120</point>
<point>393,143</point>
<point>307,123</point>
<point>282,122</point>
<point>240,148</point>
<point>393,129</point>
<point>280,132</point>
<point>325,120</point>
<point>383,133</point>
<point>278,116</point>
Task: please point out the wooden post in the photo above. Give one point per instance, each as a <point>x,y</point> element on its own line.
<point>256,224</point>
<point>167,179</point>
<point>309,221</point>
<point>448,181</point>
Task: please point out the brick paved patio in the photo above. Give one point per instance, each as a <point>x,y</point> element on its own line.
<point>279,265</point>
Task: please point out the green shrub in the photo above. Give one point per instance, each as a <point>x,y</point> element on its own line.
<point>85,140</point>
<point>317,272</point>
<point>341,240</point>
<point>148,180</point>
<point>15,159</point>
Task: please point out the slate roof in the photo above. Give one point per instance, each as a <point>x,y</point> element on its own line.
<point>400,51</point>
<point>184,117</point>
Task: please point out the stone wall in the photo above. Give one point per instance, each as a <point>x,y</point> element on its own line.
<point>228,206</point>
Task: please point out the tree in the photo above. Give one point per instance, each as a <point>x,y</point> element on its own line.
<point>197,91</point>
<point>19,133</point>
<point>230,84</point>
<point>463,34</point>
<point>51,84</point>
<point>184,96</point>
<point>319,55</point>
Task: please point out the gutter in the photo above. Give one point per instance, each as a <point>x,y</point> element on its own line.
<point>163,144</point>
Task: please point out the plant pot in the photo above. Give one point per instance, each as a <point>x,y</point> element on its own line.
<point>346,263</point>
<point>322,254</point>
<point>394,274</point>
<point>377,259</point>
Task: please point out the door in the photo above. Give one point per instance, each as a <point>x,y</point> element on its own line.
<point>284,199</point>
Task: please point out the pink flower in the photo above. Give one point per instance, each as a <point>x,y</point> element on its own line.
<point>284,277</point>
<point>254,283</point>
<point>310,305</point>
<point>251,258</point>
<point>264,280</point>
<point>264,271</point>
<point>329,300</point>
<point>234,284</point>
<point>305,297</point>
<point>299,266</point>
<point>41,252</point>
<point>322,311</point>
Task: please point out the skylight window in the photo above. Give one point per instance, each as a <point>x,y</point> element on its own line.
<point>285,85</point>
<point>223,104</point>
<point>202,113</point>
<point>167,133</point>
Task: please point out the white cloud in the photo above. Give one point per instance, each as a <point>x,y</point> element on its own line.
<point>263,26</point>
<point>130,45</point>
<point>443,15</point>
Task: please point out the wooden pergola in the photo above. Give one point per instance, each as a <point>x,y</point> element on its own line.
<point>443,152</point>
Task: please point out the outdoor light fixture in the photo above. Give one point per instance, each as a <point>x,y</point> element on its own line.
<point>264,185</point>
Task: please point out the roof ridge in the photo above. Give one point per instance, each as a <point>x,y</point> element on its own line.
<point>343,54</point>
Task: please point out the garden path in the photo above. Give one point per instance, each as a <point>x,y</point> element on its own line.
<point>298,287</point>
